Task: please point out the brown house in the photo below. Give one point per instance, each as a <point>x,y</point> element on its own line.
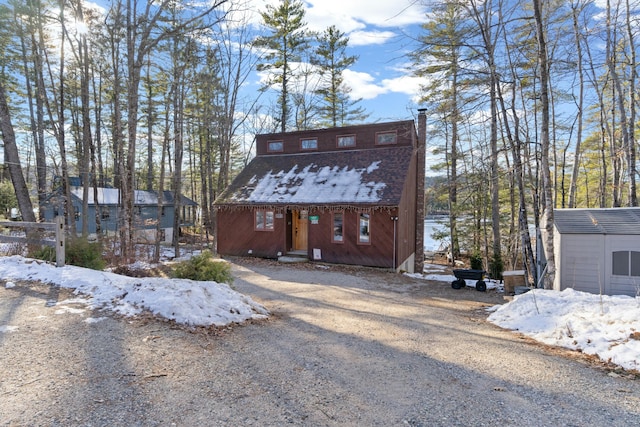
<point>350,195</point>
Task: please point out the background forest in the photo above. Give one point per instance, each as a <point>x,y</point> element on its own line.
<point>531,104</point>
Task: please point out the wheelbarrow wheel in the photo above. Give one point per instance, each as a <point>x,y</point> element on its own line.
<point>458,284</point>
<point>481,286</point>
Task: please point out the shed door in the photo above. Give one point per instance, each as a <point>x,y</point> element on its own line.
<point>300,229</point>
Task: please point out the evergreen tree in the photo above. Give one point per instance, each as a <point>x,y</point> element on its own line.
<point>284,47</point>
<point>337,108</point>
<point>441,58</point>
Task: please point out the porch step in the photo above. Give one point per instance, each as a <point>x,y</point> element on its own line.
<point>294,256</point>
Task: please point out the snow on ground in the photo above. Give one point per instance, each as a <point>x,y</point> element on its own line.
<point>436,272</point>
<point>606,326</point>
<point>185,301</point>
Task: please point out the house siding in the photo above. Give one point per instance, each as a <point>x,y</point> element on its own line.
<point>327,138</point>
<point>240,239</point>
<point>621,285</point>
<point>582,262</point>
<point>406,227</point>
<point>145,212</point>
<point>377,253</point>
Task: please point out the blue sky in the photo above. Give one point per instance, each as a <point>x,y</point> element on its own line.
<point>380,33</point>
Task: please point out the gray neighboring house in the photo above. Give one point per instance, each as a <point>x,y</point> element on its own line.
<point>145,211</point>
<point>598,250</point>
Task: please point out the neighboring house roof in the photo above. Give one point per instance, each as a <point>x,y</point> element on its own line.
<point>625,221</point>
<point>365,176</point>
<point>111,196</point>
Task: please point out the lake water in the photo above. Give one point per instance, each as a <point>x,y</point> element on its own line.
<point>432,225</point>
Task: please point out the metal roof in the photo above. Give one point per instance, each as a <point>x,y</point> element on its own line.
<point>621,221</point>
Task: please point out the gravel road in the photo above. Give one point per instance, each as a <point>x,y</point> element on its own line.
<point>344,346</point>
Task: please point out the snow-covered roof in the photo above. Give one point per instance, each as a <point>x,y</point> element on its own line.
<point>625,221</point>
<point>111,196</point>
<point>368,176</point>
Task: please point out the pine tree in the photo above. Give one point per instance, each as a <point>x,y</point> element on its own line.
<point>441,57</point>
<point>284,47</point>
<point>338,109</point>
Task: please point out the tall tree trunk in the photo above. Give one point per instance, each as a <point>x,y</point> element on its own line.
<point>161,201</point>
<point>547,182</point>
<point>37,116</point>
<point>150,120</point>
<point>631,143</point>
<point>577,153</point>
<point>13,159</point>
<point>453,177</point>
<point>515,143</point>
<point>87,141</point>
<point>178,115</point>
<point>619,100</point>
<point>483,16</point>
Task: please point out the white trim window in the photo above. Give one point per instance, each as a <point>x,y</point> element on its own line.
<point>625,263</point>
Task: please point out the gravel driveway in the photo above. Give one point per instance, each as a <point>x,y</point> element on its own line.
<point>344,346</point>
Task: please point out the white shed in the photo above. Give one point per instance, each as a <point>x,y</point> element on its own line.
<point>598,250</point>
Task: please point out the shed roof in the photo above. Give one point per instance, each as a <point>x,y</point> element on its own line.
<point>373,177</point>
<point>598,221</point>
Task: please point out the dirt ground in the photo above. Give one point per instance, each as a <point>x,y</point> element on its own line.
<point>344,346</point>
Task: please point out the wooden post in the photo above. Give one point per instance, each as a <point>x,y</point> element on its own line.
<point>60,241</point>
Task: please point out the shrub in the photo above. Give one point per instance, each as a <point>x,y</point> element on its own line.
<point>204,267</point>
<point>476,261</point>
<point>45,253</point>
<point>79,252</point>
<point>83,253</point>
<point>496,267</point>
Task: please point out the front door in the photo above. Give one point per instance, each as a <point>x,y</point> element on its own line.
<point>299,230</point>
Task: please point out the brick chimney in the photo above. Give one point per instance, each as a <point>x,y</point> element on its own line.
<point>420,172</point>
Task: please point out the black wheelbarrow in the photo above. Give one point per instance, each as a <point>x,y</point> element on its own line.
<point>462,275</point>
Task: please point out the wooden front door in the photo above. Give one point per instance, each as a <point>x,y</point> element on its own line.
<point>300,225</point>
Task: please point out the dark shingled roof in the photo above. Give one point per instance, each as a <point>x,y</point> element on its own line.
<point>373,177</point>
<point>598,221</point>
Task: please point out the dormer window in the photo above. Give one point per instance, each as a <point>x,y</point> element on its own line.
<point>309,144</point>
<point>275,146</point>
<point>345,141</point>
<point>386,138</point>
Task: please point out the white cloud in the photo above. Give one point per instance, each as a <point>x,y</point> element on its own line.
<point>404,84</point>
<point>379,13</point>
<point>362,85</point>
<point>365,38</point>
<point>363,21</point>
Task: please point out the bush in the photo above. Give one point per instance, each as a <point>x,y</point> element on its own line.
<point>79,252</point>
<point>476,261</point>
<point>45,253</point>
<point>496,267</point>
<point>83,253</point>
<point>203,267</point>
